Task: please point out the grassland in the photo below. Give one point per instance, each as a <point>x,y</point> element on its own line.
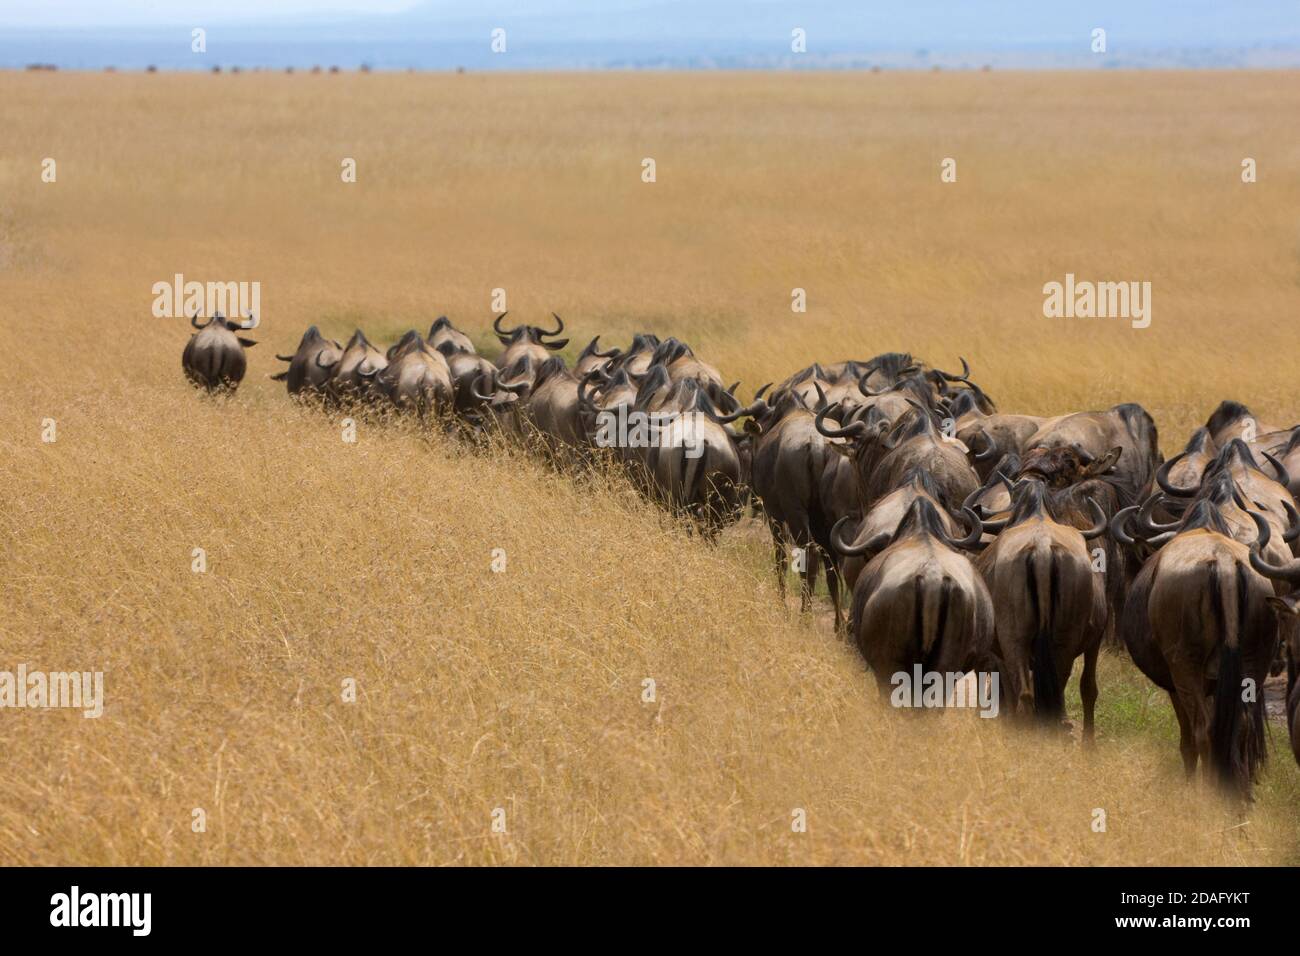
<point>524,690</point>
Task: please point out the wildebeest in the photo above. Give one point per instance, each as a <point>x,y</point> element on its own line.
<point>877,528</point>
<point>853,385</point>
<point>1286,448</point>
<point>497,402</point>
<point>1198,623</point>
<point>789,475</point>
<point>465,369</point>
<point>1234,481</point>
<point>447,339</point>
<point>988,433</point>
<point>1127,427</point>
<point>883,455</point>
<point>1049,603</point>
<point>1287,608</point>
<point>416,377</point>
<point>994,495</point>
<point>1185,469</point>
<point>681,362</point>
<point>921,601</point>
<point>636,358</point>
<point>693,462</point>
<point>600,398</point>
<point>305,375</point>
<point>527,340</point>
<point>351,372</point>
<point>553,409</point>
<point>214,356</point>
<point>592,358</point>
<point>1234,420</point>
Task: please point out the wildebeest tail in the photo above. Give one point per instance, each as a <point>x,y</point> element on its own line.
<point>820,521</point>
<point>1236,731</point>
<point>693,472</point>
<point>1042,575</point>
<point>933,608</point>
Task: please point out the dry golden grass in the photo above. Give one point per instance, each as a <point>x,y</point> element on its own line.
<point>523,690</point>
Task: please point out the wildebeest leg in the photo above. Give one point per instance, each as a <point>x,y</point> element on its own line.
<point>782,558</point>
<point>1088,692</point>
<point>811,564</point>
<point>833,586</point>
<point>1017,681</point>
<point>1195,706</point>
<point>1186,738</point>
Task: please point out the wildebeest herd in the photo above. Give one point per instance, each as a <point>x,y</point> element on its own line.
<point>967,539</point>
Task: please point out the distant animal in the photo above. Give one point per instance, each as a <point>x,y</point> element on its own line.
<point>214,356</point>
<point>305,375</point>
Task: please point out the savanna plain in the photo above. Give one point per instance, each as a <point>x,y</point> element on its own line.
<point>519,697</point>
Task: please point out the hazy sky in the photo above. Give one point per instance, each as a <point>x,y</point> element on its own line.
<point>1205,22</point>
<point>86,13</point>
<point>565,34</point>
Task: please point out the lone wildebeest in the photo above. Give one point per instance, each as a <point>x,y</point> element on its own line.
<point>214,356</point>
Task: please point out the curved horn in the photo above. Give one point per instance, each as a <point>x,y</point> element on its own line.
<point>1283,478</point>
<point>1148,527</point>
<point>1278,572</point>
<point>862,386</point>
<point>496,326</point>
<point>971,542</point>
<point>286,358</point>
<point>584,400</point>
<point>557,331</point>
<point>1100,526</point>
<point>518,387</point>
<point>759,393</point>
<point>473,388</point>
<point>1117,526</point>
<point>1293,532</point>
<point>873,544</point>
<point>989,450</point>
<point>1162,479</point>
<point>993,526</point>
<point>963,377</point>
<point>194,321</point>
<point>757,408</point>
<point>853,431</point>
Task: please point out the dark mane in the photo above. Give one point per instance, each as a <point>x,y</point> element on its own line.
<point>1199,441</point>
<point>553,366</point>
<point>921,517</point>
<point>1227,412</point>
<point>1204,515</point>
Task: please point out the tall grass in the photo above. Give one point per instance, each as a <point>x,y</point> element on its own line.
<point>524,691</point>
